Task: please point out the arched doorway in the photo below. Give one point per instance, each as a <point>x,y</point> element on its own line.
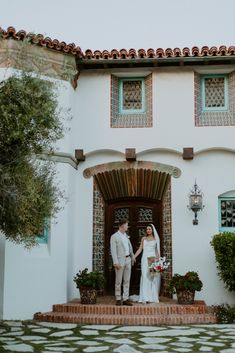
<point>139,191</point>
<point>139,212</point>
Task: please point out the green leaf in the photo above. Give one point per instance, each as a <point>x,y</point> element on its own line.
<point>224,247</point>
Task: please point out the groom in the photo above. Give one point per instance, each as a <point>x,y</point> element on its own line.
<point>123,259</point>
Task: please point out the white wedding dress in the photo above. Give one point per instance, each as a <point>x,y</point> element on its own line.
<point>149,285</point>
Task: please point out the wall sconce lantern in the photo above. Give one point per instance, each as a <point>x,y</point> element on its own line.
<point>195,202</point>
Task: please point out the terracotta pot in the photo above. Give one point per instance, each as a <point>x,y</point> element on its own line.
<point>88,295</point>
<point>185,296</point>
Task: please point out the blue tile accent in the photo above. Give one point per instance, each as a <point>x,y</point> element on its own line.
<point>226,105</point>
<point>43,237</point>
<point>131,111</point>
<point>221,228</point>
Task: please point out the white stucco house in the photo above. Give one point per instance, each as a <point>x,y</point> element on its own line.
<point>146,124</point>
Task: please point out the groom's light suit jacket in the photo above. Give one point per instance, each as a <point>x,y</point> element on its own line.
<point>118,249</point>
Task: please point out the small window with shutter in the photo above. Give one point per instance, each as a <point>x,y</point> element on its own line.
<point>131,95</point>
<point>226,214</point>
<point>214,93</point>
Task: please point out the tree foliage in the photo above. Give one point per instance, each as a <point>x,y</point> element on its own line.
<point>29,117</point>
<point>224,247</point>
<point>30,123</point>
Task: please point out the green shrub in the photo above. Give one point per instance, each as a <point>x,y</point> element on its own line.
<point>189,281</point>
<point>224,247</point>
<point>225,314</point>
<point>92,279</point>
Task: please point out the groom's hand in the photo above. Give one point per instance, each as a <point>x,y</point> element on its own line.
<point>117,266</point>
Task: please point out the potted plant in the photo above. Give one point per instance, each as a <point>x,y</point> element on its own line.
<point>185,286</point>
<point>88,284</point>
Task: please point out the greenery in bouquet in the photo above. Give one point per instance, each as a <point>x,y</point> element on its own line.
<point>158,266</point>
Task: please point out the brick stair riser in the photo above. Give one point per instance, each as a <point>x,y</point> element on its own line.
<point>135,310</point>
<point>122,320</point>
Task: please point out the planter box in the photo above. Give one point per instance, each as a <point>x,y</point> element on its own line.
<point>185,296</point>
<point>88,295</point>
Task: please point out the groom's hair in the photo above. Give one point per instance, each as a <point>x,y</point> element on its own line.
<point>121,222</point>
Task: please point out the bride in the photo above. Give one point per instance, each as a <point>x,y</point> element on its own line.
<point>149,284</point>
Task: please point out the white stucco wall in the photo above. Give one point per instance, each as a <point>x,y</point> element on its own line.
<point>191,244</point>
<point>173,116</point>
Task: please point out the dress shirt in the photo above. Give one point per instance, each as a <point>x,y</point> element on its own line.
<point>125,242</point>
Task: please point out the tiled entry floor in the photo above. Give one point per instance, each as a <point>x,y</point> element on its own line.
<point>40,337</point>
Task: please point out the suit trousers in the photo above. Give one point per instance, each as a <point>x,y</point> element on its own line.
<point>123,274</point>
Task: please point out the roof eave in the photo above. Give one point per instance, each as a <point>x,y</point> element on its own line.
<point>88,64</point>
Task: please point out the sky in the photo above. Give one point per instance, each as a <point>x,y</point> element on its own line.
<point>108,24</point>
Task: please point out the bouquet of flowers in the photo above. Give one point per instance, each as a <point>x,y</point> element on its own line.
<point>157,266</point>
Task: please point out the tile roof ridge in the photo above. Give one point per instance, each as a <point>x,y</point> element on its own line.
<point>41,40</point>
<point>113,54</point>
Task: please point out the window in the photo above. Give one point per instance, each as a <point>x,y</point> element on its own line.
<point>226,214</point>
<point>132,96</point>
<point>131,101</point>
<point>43,237</point>
<point>214,99</point>
<point>214,93</point>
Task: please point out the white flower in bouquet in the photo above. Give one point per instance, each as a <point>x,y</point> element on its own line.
<point>159,266</point>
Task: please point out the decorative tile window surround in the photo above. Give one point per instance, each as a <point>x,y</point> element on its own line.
<point>215,100</point>
<point>44,236</point>
<point>226,214</point>
<point>131,102</point>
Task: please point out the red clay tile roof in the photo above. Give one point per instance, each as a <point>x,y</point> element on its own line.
<point>160,53</point>
<point>42,41</point>
<point>130,54</point>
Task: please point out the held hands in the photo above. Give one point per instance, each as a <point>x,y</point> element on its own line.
<point>133,260</point>
<point>117,266</point>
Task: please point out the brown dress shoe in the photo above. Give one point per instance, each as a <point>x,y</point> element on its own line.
<point>118,302</point>
<point>127,302</point>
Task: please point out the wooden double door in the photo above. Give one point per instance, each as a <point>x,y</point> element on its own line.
<point>139,214</point>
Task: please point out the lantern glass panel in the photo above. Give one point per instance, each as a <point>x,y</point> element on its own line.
<point>196,201</point>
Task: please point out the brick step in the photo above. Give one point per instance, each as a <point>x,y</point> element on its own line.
<point>126,319</point>
<point>130,310</point>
